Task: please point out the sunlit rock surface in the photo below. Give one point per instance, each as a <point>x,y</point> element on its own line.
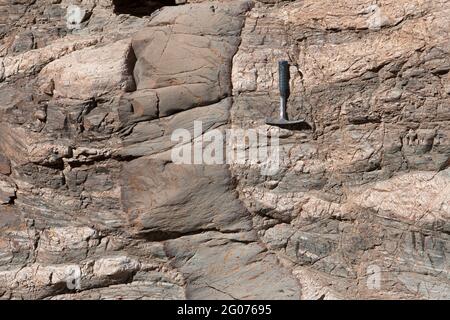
<point>92,206</point>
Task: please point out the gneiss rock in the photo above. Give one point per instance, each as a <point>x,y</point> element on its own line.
<point>7,191</point>
<point>155,138</point>
<point>80,76</point>
<point>5,165</point>
<point>194,194</point>
<point>185,55</point>
<point>370,182</point>
<point>92,205</point>
<point>238,268</point>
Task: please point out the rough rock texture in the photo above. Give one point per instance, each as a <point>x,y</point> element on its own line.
<point>92,207</point>
<point>369,184</point>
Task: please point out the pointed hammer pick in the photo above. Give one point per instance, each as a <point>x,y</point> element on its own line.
<point>283,75</point>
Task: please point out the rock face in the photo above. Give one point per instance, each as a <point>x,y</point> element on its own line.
<point>370,182</point>
<point>93,205</point>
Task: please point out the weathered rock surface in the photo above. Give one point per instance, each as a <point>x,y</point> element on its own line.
<point>186,53</point>
<point>358,192</point>
<point>93,207</point>
<point>236,268</point>
<point>80,76</point>
<point>193,194</point>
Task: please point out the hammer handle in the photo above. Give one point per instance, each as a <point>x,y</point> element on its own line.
<point>283,75</point>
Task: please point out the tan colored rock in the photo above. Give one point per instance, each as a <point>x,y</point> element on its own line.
<point>115,266</point>
<point>5,165</point>
<point>33,61</point>
<point>92,205</point>
<point>79,75</point>
<point>155,139</point>
<point>234,270</point>
<point>7,191</point>
<point>352,195</point>
<point>207,36</point>
<point>138,290</point>
<point>194,194</point>
<point>74,242</point>
<point>41,279</point>
<point>419,198</point>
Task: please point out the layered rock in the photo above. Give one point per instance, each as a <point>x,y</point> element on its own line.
<point>358,191</point>
<point>92,205</point>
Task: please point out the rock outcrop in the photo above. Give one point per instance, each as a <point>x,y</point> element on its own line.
<point>93,205</point>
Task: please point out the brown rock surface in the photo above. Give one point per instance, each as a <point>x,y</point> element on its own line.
<point>5,165</point>
<point>92,207</point>
<point>358,191</point>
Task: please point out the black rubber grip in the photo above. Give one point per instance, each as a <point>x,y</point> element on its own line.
<point>283,74</point>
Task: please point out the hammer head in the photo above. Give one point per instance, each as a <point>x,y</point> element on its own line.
<point>277,122</point>
<point>289,124</point>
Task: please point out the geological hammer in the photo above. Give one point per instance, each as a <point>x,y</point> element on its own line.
<point>283,85</point>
